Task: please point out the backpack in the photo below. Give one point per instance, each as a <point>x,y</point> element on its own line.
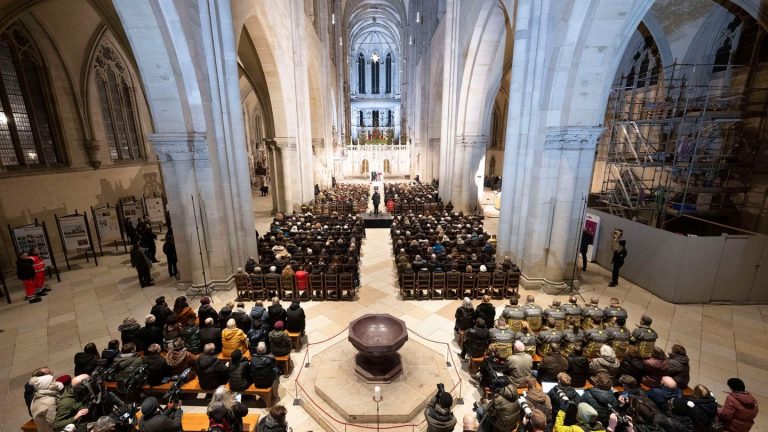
<point>29,395</point>
<point>221,425</point>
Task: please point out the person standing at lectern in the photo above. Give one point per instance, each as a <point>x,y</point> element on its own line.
<point>618,260</point>
<point>376,198</point>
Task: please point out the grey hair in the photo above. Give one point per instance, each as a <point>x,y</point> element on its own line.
<point>209,348</point>
<point>467,303</point>
<point>261,348</point>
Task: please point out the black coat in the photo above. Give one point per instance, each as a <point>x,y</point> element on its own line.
<point>211,335</point>
<point>85,363</point>
<point>276,313</point>
<point>169,249</point>
<point>139,260</point>
<point>551,365</point>
<point>578,369</point>
<point>242,320</point>
<point>234,418</point>
<point>295,319</point>
<point>703,413</point>
<point>147,336</point>
<point>465,318</point>
<point>157,368</point>
<point>160,422</point>
<point>633,367</point>
<point>161,312</point>
<point>207,311</point>
<point>211,372</point>
<point>25,268</point>
<point>263,372</point>
<point>679,369</point>
<point>601,401</point>
<point>476,341</point>
<point>240,375</point>
<point>487,312</point>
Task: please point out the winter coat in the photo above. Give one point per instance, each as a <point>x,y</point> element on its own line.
<point>234,417</point>
<point>539,400</point>
<point>155,420</point>
<point>262,371</point>
<point>211,372</point>
<point>276,313</point>
<point>157,368</point>
<point>139,260</point>
<point>161,312</point>
<point>738,412</point>
<point>476,341</point>
<point>295,318</point>
<point>507,409</point>
<point>674,423</point>
<point>561,427</point>
<point>85,363</point>
<point>268,424</point>
<point>169,249</point>
<point>207,311</point>
<point>487,312</point>
<point>239,375</point>
<point>438,418</point>
<point>242,321</point>
<point>147,336</point>
<point>224,315</point>
<point>280,343</point>
<point>551,365</point>
<point>66,409</point>
<point>606,364</point>
<point>679,369</point>
<point>578,369</point>
<point>43,406</point>
<point>518,368</point>
<point>125,365</point>
<point>109,355</point>
<point>128,332</point>
<point>232,339</point>
<point>555,399</point>
<point>703,413</point>
<point>633,367</point>
<point>180,360</point>
<point>191,336</point>
<point>600,400</point>
<point>660,395</point>
<point>465,318</point>
<point>654,371</point>
<point>25,268</point>
<point>259,316</point>
<point>185,315</point>
<point>211,335</point>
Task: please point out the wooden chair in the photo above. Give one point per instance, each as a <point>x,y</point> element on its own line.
<point>257,287</point>
<point>474,364</point>
<point>296,340</point>
<point>285,364</point>
<point>408,286</point>
<point>346,286</point>
<point>498,284</point>
<point>483,283</point>
<point>272,286</point>
<point>331,286</point>
<point>288,288</point>
<point>468,280</point>
<point>438,286</point>
<point>452,285</point>
<point>316,291</point>
<point>423,279</point>
<point>243,286</point>
<point>513,283</point>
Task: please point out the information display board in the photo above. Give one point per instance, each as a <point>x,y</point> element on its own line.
<point>155,209</point>
<point>74,233</point>
<point>592,225</point>
<point>29,236</point>
<point>133,210</point>
<point>107,224</point>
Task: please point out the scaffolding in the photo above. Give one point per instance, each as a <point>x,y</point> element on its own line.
<point>676,143</point>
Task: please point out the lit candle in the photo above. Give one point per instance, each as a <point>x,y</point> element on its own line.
<point>377,393</point>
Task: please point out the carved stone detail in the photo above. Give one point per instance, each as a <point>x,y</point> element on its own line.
<point>471,140</point>
<point>180,146</point>
<point>92,148</point>
<point>572,137</point>
<point>285,143</point>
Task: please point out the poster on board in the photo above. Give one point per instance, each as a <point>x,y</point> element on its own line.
<point>29,236</point>
<point>74,233</point>
<point>155,209</point>
<point>592,225</point>
<point>107,224</point>
<point>133,210</point>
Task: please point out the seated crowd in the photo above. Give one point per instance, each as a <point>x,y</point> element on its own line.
<point>402,197</point>
<point>302,245</point>
<point>347,198</point>
<point>229,350</point>
<point>572,368</point>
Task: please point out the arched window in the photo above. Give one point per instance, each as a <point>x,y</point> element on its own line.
<point>375,73</point>
<point>389,73</point>
<point>722,56</point>
<point>631,78</point>
<point>27,128</point>
<point>117,105</point>
<point>361,73</point>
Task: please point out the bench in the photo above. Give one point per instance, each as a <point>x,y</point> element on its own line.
<point>190,422</point>
<point>296,340</point>
<point>269,395</point>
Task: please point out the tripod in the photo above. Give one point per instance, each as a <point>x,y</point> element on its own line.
<point>570,286</point>
<point>205,290</point>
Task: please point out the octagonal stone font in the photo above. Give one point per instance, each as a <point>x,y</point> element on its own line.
<point>377,337</point>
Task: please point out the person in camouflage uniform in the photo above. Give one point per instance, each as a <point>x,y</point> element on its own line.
<point>501,341</point>
<point>589,312</point>
<point>618,336</point>
<point>556,313</point>
<point>528,338</point>
<point>547,336</point>
<point>614,311</point>
<point>595,337</point>
<point>644,337</point>
<point>573,311</point>
<point>572,337</point>
<point>514,314</point>
<point>533,314</point>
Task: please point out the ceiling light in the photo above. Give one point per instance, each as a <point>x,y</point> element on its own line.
<point>418,17</point>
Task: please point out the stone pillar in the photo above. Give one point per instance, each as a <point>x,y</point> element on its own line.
<point>275,178</point>
<point>469,168</point>
<point>450,97</point>
<point>291,181</point>
<point>570,151</point>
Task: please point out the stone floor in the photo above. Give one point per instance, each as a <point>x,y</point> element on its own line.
<point>90,302</point>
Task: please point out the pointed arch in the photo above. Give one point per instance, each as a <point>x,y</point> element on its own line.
<point>360,73</point>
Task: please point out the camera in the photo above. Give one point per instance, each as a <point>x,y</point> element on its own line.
<point>561,394</point>
<point>621,420</point>
<point>524,406</point>
<point>172,395</point>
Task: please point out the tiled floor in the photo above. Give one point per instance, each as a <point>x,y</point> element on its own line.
<point>89,303</point>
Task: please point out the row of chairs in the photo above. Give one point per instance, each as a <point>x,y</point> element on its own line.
<point>322,286</point>
<point>426,285</point>
<point>419,208</point>
<point>341,208</point>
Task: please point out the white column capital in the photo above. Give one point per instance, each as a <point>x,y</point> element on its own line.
<point>572,137</point>
<point>180,146</point>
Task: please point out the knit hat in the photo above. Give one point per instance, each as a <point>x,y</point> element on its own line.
<point>279,325</point>
<point>585,414</point>
<point>736,385</point>
<point>519,346</point>
<point>64,379</point>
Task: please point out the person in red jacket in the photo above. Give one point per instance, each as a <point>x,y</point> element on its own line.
<point>25,271</point>
<point>740,408</point>
<point>302,279</point>
<point>39,265</point>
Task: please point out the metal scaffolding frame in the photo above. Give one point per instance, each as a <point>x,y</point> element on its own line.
<point>676,143</point>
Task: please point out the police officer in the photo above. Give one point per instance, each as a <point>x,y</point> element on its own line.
<point>618,335</point>
<point>533,314</point>
<point>501,338</point>
<point>573,337</point>
<point>595,337</point>
<point>547,336</point>
<point>514,314</point>
<point>572,311</point>
<point>644,337</point>
<point>589,312</point>
<point>614,311</point>
<point>556,313</point>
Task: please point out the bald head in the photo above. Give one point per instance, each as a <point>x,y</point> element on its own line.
<point>668,382</point>
<point>530,299</point>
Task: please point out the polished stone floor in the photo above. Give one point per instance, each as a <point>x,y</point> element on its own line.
<point>90,302</point>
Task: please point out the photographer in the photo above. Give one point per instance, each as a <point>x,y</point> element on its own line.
<point>155,420</point>
<point>502,412</point>
<point>72,404</point>
<point>438,412</point>
<point>537,422</point>
<point>586,418</point>
<point>562,391</point>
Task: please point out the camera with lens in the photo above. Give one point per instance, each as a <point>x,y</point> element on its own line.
<point>561,394</point>
<point>622,421</point>
<point>524,406</point>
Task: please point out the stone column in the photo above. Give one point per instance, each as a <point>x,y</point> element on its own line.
<point>450,96</point>
<point>469,168</point>
<point>290,178</point>
<point>275,178</point>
